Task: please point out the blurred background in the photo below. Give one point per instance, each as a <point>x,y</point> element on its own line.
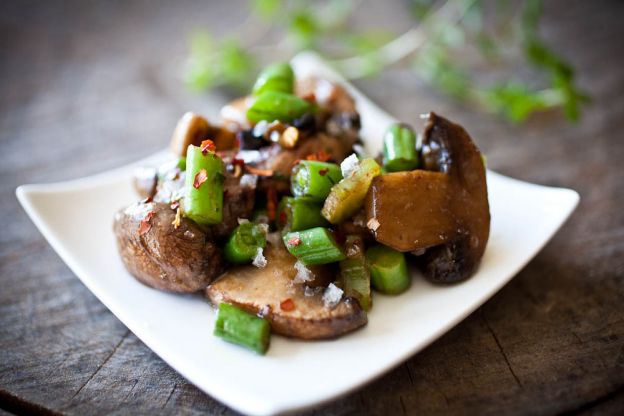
<point>89,86</point>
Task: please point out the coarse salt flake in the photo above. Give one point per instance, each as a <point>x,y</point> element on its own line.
<point>349,165</point>
<point>259,260</point>
<point>332,296</point>
<point>373,224</point>
<point>249,181</point>
<point>303,273</point>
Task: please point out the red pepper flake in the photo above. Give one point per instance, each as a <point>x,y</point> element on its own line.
<point>287,305</point>
<point>259,172</point>
<point>294,241</point>
<point>145,224</point>
<point>271,203</point>
<point>207,146</point>
<point>200,177</point>
<point>174,205</point>
<point>321,156</point>
<point>283,218</point>
<point>323,172</point>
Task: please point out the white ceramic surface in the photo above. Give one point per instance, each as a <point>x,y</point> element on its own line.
<point>75,217</point>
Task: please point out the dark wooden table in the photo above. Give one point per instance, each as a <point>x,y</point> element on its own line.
<point>89,86</point>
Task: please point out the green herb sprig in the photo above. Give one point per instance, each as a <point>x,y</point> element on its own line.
<point>442,34</point>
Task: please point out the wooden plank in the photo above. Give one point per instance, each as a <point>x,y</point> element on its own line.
<point>78,77</point>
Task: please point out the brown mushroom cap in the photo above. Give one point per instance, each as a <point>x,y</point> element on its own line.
<point>448,148</point>
<point>176,259</point>
<point>263,290</point>
<point>443,209</point>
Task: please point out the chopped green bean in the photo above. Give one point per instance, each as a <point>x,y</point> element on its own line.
<point>244,242</point>
<point>314,179</point>
<point>203,202</point>
<point>182,163</point>
<point>275,105</point>
<point>296,214</point>
<point>400,148</point>
<point>354,273</point>
<point>347,197</point>
<point>276,77</point>
<point>314,246</point>
<point>239,327</point>
<point>388,270</point>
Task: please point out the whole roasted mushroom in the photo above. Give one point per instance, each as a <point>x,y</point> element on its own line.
<point>158,253</point>
<point>442,210</point>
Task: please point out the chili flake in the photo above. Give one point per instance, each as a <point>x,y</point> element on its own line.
<point>207,146</point>
<point>294,241</point>
<point>323,172</point>
<point>145,224</point>
<point>200,177</point>
<point>321,156</point>
<point>287,305</point>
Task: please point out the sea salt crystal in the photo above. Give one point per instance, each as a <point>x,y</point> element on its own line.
<point>332,296</point>
<point>303,273</point>
<point>259,261</point>
<point>249,181</point>
<point>349,165</point>
<point>373,224</point>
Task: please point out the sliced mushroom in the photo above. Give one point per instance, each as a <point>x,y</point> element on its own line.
<point>193,129</point>
<point>272,292</point>
<point>161,255</point>
<point>443,209</point>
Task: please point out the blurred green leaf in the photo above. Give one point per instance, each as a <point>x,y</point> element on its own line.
<point>266,9</point>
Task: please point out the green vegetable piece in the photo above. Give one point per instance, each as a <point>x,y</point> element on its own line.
<point>354,272</point>
<point>275,105</point>
<point>313,179</point>
<point>347,197</point>
<point>388,270</point>
<point>244,242</point>
<point>314,246</point>
<point>182,163</point>
<point>277,77</point>
<point>203,202</point>
<point>400,148</point>
<point>296,214</point>
<point>239,327</point>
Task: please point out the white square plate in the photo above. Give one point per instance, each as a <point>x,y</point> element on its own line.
<point>76,216</point>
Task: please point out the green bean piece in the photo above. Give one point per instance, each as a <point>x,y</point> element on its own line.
<point>400,148</point>
<point>275,105</point>
<point>354,273</point>
<point>313,179</point>
<point>347,197</point>
<point>203,202</point>
<point>182,163</point>
<point>239,327</point>
<point>244,242</point>
<point>314,246</point>
<point>388,270</point>
<point>277,77</point>
<point>296,214</point>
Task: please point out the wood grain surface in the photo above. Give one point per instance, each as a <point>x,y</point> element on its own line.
<point>88,86</point>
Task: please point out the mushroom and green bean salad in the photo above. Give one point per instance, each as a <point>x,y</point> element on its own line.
<point>280,220</point>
